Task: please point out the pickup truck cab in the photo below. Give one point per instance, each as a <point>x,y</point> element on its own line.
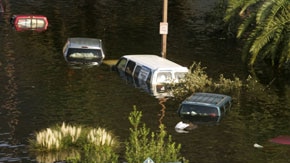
<point>150,73</point>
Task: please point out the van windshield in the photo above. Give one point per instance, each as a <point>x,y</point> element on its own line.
<point>197,110</point>
<point>163,77</point>
<point>179,75</point>
<point>84,55</point>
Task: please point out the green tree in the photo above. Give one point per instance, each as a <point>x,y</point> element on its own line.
<point>266,26</point>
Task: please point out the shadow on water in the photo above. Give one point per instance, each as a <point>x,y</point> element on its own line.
<point>39,89</point>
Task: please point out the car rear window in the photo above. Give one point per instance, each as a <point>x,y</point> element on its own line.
<point>31,23</point>
<point>197,110</point>
<point>75,54</point>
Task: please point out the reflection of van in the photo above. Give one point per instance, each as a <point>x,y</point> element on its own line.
<point>150,72</point>
<point>205,107</point>
<point>79,50</point>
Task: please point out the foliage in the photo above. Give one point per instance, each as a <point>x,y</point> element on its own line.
<point>143,143</point>
<point>198,80</point>
<point>94,145</point>
<point>58,142</point>
<point>265,25</point>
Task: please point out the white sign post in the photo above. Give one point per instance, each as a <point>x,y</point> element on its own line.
<point>148,160</point>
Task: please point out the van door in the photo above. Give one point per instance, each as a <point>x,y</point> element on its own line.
<point>141,75</point>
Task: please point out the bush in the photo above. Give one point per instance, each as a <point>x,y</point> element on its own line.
<point>197,80</point>
<point>143,144</point>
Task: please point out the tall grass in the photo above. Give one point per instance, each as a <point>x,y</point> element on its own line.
<point>75,143</point>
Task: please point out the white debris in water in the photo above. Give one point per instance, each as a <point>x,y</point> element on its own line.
<point>258,146</point>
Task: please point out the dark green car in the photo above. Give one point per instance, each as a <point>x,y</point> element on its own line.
<point>205,107</point>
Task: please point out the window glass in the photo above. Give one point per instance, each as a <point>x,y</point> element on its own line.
<point>196,110</point>
<point>179,75</point>
<point>31,23</point>
<point>39,23</point>
<point>222,110</point>
<point>130,67</point>
<point>75,54</point>
<point>137,71</point>
<point>144,73</point>
<point>121,64</point>
<point>226,107</point>
<point>163,77</point>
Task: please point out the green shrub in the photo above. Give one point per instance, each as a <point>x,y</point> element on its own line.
<point>197,80</point>
<point>143,144</point>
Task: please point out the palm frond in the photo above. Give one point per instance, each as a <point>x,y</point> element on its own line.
<point>266,25</point>
<point>245,25</point>
<point>233,8</point>
<point>247,4</point>
<point>264,11</point>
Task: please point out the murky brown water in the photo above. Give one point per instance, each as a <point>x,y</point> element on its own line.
<point>38,89</point>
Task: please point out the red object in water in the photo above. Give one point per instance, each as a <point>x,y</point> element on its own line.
<point>282,139</point>
<point>29,22</point>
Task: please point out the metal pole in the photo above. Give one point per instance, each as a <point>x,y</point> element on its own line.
<point>164,36</point>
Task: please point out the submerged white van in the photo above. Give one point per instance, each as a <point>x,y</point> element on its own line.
<point>150,72</point>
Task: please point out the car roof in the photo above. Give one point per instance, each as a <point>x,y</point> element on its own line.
<point>29,16</point>
<point>153,61</point>
<point>78,42</point>
<point>207,99</point>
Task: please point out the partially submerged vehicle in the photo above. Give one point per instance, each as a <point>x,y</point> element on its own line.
<point>29,22</point>
<point>204,108</point>
<point>80,51</point>
<point>150,72</point>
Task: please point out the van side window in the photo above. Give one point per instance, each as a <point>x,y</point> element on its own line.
<point>149,78</point>
<point>137,71</point>
<point>121,64</point>
<point>130,67</point>
<point>228,105</point>
<point>225,107</point>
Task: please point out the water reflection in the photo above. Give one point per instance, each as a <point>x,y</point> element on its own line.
<point>9,109</point>
<point>39,90</point>
<point>162,102</point>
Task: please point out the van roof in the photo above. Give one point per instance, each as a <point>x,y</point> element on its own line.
<point>207,99</point>
<point>79,42</point>
<point>154,61</point>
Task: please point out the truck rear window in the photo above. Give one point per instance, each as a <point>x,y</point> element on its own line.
<point>197,110</point>
<point>84,54</point>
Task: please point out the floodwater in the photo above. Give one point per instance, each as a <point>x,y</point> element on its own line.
<point>39,89</point>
